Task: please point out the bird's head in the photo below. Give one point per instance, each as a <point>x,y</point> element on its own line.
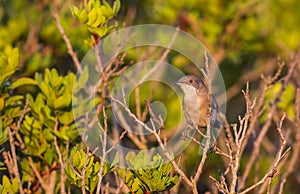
<point>190,83</point>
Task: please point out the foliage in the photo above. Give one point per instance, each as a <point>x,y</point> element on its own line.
<point>95,16</point>
<point>143,176</point>
<point>7,186</point>
<point>285,102</point>
<point>88,169</point>
<point>37,82</point>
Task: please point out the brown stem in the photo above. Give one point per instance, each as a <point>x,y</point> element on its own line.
<point>61,160</point>
<point>65,37</point>
<point>15,160</point>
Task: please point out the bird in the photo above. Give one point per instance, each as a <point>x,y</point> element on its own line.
<point>197,103</point>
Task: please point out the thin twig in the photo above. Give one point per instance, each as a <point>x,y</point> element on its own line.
<point>65,37</point>
<point>293,161</point>
<point>268,121</point>
<point>37,174</point>
<point>281,154</point>
<point>16,128</point>
<point>15,160</point>
<point>219,185</point>
<point>61,160</point>
<point>104,152</point>
<point>281,186</point>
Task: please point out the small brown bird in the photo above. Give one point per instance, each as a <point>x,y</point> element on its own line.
<point>196,102</point>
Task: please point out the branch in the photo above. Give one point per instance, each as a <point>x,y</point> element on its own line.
<point>61,160</point>
<point>65,38</point>
<point>15,161</point>
<point>268,122</point>
<point>104,152</point>
<point>281,154</point>
<point>37,174</point>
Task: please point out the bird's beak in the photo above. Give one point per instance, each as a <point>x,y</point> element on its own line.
<point>178,83</point>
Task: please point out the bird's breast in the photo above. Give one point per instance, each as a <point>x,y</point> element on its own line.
<point>194,109</point>
<point>195,105</point>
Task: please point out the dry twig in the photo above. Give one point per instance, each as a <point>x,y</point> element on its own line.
<point>61,159</point>
<point>65,37</point>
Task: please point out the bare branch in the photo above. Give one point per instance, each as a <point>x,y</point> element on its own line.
<point>15,160</point>
<point>61,160</point>
<point>65,37</point>
<point>268,121</point>
<point>281,154</point>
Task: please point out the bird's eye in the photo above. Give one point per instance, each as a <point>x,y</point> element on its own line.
<point>191,81</point>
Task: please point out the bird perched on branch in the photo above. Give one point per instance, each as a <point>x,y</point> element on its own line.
<point>197,102</point>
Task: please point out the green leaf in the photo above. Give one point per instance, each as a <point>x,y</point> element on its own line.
<point>5,76</point>
<point>42,148</point>
<point>82,79</point>
<point>107,10</point>
<point>74,10</point>
<point>23,81</point>
<point>92,15</point>
<point>45,89</point>
<point>95,30</point>
<point>71,176</point>
<point>49,156</point>
<point>6,181</point>
<point>3,134</point>
<point>116,7</point>
<point>13,58</point>
<point>71,132</point>
<point>9,187</point>
<point>140,160</point>
<point>100,20</point>
<point>116,160</point>
<point>66,117</point>
<point>76,159</point>
<point>83,17</point>
<point>130,158</point>
<point>90,162</point>
<point>63,101</point>
<point>48,134</point>
<point>82,158</point>
<point>12,100</point>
